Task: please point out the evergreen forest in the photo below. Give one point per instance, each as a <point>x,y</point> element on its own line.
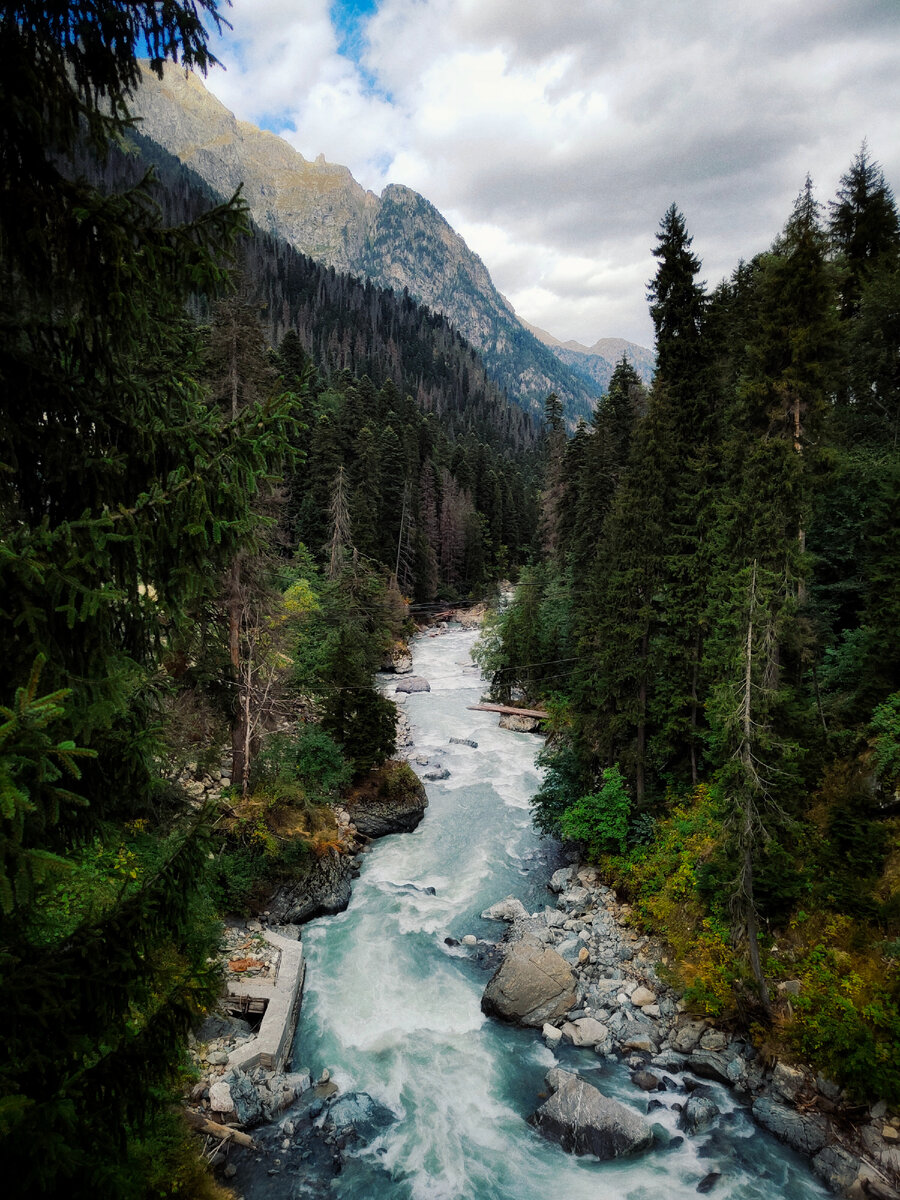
<point>714,625</point>
<point>227,473</point>
<point>231,478</point>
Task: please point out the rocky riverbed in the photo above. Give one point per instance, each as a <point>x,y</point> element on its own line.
<point>582,975</point>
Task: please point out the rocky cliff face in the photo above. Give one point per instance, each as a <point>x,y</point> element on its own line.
<point>398,240</point>
<point>317,206</point>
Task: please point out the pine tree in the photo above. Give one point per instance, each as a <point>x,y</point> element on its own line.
<point>683,388</point>
<point>864,225</point>
<point>124,495</point>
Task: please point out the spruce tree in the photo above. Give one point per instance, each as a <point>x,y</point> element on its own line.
<point>124,494</point>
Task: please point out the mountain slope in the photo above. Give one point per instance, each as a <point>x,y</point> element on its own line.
<point>597,363</point>
<point>399,240</point>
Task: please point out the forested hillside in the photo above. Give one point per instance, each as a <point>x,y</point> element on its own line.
<point>715,625</point>
<point>225,473</point>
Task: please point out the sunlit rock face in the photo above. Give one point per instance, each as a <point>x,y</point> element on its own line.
<point>398,240</point>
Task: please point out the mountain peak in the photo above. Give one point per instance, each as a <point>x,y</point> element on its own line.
<point>397,240</point>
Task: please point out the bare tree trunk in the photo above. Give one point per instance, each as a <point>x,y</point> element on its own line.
<point>745,898</point>
<point>639,786</point>
<point>239,724</point>
<point>695,707</point>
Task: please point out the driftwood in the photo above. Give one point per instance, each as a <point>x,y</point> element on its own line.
<point>223,1132</point>
<point>510,710</point>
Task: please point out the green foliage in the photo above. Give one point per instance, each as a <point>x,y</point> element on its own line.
<point>886,730</point>
<point>308,755</point>
<point>31,765</point>
<point>850,1028</point>
<point>600,819</point>
<point>564,781</point>
<point>399,782</point>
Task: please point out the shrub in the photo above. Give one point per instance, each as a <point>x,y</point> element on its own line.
<point>309,755</point>
<point>600,820</point>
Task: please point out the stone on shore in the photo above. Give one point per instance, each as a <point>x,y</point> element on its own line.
<point>804,1132</point>
<point>509,909</point>
<point>642,996</point>
<point>584,1121</point>
<point>532,986</point>
<point>586,1031</point>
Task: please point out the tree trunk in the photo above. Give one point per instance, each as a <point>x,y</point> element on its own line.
<point>639,787</point>
<point>240,723</point>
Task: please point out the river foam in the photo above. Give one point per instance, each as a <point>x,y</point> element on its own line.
<point>394,1011</point>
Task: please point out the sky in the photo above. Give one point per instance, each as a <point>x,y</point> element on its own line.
<point>554,134</point>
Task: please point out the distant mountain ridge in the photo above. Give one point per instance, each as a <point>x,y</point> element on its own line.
<point>397,240</point>
<point>598,362</point>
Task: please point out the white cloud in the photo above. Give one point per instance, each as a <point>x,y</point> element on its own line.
<point>554,136</point>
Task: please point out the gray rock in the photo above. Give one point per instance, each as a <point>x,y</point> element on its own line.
<point>805,1132</point>
<point>299,1081</point>
<point>360,1113</point>
<point>415,683</point>
<point>454,741</point>
<point>688,1035</point>
<point>220,1098</point>
<point>380,814</point>
<point>574,898</point>
<point>709,1064</point>
<point>646,1081</point>
<point>437,774</point>
<point>533,985</point>
<point>698,1112</point>
<point>519,724</point>
<point>222,1027</point>
<point>584,1121</point>
<point>586,1031</point>
<point>561,879</point>
<point>509,909</point>
<point>788,1082</point>
<point>713,1039</point>
<point>247,1102</point>
<point>836,1167</point>
<point>708,1182</point>
<point>670,1060</point>
<point>569,949</point>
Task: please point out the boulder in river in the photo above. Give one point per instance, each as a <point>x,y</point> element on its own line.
<point>532,985</point>
<point>698,1112</point>
<point>390,799</point>
<point>584,1121</point>
<point>413,683</point>
<point>359,1113</point>
<point>455,741</point>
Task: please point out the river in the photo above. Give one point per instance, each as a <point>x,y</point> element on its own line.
<point>393,1010</point>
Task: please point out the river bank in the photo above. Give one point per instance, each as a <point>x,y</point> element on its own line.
<point>622,1008</point>
<point>437,1093</point>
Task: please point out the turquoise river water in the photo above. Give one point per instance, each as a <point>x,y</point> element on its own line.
<point>393,1011</point>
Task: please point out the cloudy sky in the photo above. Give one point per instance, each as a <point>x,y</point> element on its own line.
<point>553,134</point>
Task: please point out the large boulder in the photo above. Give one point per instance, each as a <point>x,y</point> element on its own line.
<point>519,724</point>
<point>532,985</point>
<point>510,909</point>
<point>393,800</point>
<point>413,683</point>
<point>805,1132</point>
<point>359,1114</point>
<point>584,1121</point>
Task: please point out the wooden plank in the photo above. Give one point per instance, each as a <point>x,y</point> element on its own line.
<point>508,710</point>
